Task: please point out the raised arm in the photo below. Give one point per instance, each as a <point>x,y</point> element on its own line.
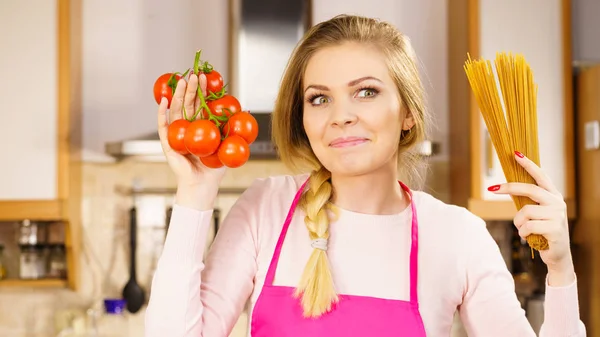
<point>191,298</point>
<point>490,306</point>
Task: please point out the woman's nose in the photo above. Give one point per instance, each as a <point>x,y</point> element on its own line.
<point>343,114</point>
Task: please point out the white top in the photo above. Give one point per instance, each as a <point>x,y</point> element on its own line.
<point>460,267</point>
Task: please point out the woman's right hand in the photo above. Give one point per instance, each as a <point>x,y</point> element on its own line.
<point>197,185</point>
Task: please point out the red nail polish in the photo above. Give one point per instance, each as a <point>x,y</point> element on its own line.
<point>494,188</point>
<point>519,154</point>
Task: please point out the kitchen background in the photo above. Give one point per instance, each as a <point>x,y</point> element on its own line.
<point>80,148</point>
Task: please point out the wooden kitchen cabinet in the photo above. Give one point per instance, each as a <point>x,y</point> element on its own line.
<point>38,133</point>
<point>540,30</point>
<point>28,138</point>
<point>586,235</point>
<point>40,177</point>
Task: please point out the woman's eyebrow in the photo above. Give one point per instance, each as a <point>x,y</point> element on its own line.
<point>350,84</point>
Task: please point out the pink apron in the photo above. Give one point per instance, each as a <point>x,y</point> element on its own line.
<point>278,314</point>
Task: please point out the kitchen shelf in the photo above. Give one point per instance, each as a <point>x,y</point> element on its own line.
<point>501,210</point>
<point>38,210</point>
<point>42,283</point>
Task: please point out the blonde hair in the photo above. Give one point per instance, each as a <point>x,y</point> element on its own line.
<point>316,285</point>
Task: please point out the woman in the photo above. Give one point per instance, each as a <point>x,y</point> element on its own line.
<point>379,259</point>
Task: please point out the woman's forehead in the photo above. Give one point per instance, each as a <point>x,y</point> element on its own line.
<point>338,65</point>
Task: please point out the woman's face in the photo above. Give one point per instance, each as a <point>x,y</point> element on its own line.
<point>353,116</point>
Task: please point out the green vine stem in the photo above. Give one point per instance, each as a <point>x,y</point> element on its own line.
<point>226,133</point>
<point>218,120</point>
<point>172,78</point>
<point>196,61</point>
<point>198,91</point>
<point>214,96</point>
<point>172,82</point>
<point>203,104</point>
<point>185,116</point>
<point>207,67</point>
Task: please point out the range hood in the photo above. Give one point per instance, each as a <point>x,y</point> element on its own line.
<point>262,36</point>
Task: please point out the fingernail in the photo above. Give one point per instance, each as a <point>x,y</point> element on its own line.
<point>519,154</point>
<point>494,188</point>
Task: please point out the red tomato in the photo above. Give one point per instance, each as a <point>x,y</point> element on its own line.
<point>165,88</point>
<point>212,161</point>
<point>242,124</point>
<point>234,151</point>
<point>214,82</point>
<point>224,106</point>
<point>176,133</point>
<point>202,138</point>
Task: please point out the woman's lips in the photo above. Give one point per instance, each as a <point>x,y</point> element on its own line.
<point>348,141</point>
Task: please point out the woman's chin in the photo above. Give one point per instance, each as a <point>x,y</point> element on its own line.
<point>351,166</point>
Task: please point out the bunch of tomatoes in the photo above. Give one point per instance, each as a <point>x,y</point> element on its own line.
<point>218,132</point>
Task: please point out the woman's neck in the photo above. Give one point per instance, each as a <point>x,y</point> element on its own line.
<point>374,193</point>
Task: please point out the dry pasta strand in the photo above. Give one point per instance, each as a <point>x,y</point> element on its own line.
<point>514,126</point>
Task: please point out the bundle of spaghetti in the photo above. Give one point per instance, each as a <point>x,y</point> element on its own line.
<point>515,129</point>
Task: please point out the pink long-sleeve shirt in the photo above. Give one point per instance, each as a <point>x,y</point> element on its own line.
<point>460,267</point>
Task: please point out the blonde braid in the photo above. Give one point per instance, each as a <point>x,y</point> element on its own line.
<point>316,285</point>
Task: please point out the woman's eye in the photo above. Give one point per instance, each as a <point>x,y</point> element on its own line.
<point>367,93</point>
<point>320,100</point>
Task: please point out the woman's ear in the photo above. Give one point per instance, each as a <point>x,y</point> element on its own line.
<point>408,122</point>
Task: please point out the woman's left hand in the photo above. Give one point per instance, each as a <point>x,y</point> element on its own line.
<point>548,218</point>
